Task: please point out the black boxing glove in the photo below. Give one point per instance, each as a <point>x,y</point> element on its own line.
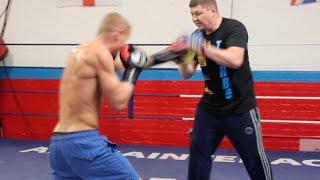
<point>133,59</point>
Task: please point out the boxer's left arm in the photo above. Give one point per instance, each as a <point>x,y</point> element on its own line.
<point>118,65</point>
<point>115,91</point>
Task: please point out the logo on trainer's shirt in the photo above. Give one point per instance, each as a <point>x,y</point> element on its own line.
<point>225,80</point>
<point>218,43</point>
<point>226,84</point>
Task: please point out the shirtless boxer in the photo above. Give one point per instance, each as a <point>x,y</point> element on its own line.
<point>77,150</point>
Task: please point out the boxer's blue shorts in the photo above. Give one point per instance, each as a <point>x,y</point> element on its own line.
<point>88,155</point>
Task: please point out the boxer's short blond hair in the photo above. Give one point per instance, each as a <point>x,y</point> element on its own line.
<point>114,22</point>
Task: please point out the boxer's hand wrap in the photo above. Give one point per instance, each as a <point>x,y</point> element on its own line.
<point>133,59</point>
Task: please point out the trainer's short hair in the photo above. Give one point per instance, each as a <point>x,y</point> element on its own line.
<point>194,3</point>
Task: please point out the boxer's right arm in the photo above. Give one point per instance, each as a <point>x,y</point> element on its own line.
<point>117,92</point>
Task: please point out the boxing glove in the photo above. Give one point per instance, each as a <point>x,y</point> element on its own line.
<point>133,59</point>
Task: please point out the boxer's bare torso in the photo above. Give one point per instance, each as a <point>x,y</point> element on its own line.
<point>89,74</point>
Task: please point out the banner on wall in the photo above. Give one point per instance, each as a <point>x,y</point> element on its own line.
<point>87,3</point>
<point>298,2</point>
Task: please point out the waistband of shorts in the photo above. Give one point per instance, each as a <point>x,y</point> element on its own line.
<point>75,135</point>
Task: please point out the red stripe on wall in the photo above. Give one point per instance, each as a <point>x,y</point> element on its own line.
<point>285,109</point>
<point>30,84</point>
<point>32,113</point>
<point>293,2</point>
<point>88,2</point>
<point>287,89</point>
<point>176,87</point>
